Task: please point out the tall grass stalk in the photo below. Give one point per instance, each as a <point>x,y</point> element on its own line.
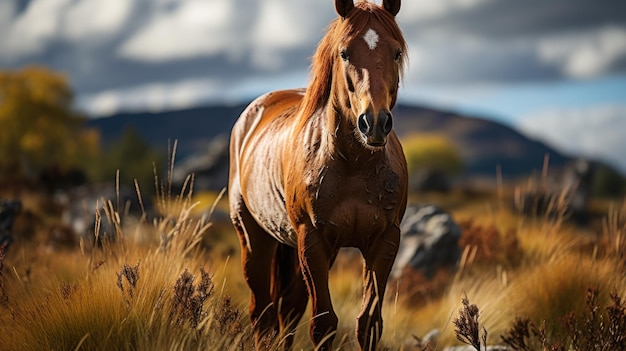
<point>72,300</point>
<point>76,303</point>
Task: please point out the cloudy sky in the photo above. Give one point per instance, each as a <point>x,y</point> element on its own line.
<point>555,69</point>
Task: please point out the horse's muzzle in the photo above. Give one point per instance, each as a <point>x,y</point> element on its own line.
<point>375,128</point>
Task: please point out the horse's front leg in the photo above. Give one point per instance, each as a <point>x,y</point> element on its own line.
<point>316,255</point>
<point>379,258</point>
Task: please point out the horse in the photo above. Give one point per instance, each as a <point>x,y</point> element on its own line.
<point>316,169</point>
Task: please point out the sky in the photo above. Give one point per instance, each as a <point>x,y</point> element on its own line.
<point>553,69</point>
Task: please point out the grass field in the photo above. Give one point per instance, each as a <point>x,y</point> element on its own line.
<point>175,283</point>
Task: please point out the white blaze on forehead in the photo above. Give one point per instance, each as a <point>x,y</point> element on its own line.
<point>371,38</point>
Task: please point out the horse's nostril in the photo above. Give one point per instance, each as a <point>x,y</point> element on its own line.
<point>388,124</point>
<point>364,126</point>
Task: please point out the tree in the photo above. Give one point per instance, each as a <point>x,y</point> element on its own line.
<point>432,159</point>
<point>432,151</point>
<point>38,126</point>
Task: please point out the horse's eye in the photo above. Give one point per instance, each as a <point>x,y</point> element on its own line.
<point>398,55</point>
<point>344,55</point>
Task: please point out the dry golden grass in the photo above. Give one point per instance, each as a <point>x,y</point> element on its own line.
<point>120,295</point>
<point>133,293</point>
<point>554,265</point>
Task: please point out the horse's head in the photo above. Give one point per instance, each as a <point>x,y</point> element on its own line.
<point>368,49</point>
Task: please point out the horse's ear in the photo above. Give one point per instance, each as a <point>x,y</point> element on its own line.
<point>344,7</point>
<point>393,6</point>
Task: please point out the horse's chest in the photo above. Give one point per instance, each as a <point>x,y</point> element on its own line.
<point>356,208</point>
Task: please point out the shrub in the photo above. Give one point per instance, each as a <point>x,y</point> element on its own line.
<point>491,246</point>
<point>433,152</point>
<point>595,329</point>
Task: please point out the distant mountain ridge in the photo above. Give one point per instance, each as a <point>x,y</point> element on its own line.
<point>484,145</point>
<point>194,128</point>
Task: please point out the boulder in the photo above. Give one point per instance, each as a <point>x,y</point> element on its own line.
<point>429,240</point>
<point>81,204</point>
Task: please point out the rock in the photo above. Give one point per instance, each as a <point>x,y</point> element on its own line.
<point>81,204</point>
<point>432,337</point>
<point>579,177</point>
<point>8,211</point>
<point>210,167</point>
<point>426,343</point>
<point>548,199</point>
<point>429,240</point>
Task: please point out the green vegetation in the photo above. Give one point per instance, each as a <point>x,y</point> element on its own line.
<point>133,155</point>
<point>433,152</point>
<point>39,126</point>
<point>608,182</point>
<point>41,132</point>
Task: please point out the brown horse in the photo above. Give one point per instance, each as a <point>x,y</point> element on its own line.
<point>317,169</point>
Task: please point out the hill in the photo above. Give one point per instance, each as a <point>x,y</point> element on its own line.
<point>484,145</point>
<point>194,128</point>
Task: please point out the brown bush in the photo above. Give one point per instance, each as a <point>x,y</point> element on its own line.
<point>188,301</point>
<point>492,246</point>
<point>595,329</point>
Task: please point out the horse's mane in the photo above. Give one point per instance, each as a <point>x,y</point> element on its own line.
<point>318,92</point>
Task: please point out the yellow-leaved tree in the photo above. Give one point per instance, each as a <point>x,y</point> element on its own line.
<point>432,151</point>
<point>430,156</point>
<point>38,126</point>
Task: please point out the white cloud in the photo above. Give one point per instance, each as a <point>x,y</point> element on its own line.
<point>192,28</point>
<point>279,26</point>
<point>7,10</point>
<point>44,21</point>
<point>153,97</point>
<point>89,19</point>
<point>276,26</point>
<point>596,131</point>
<point>583,55</point>
<point>29,33</point>
<point>108,45</point>
<point>455,58</point>
<point>423,9</point>
<point>164,96</point>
